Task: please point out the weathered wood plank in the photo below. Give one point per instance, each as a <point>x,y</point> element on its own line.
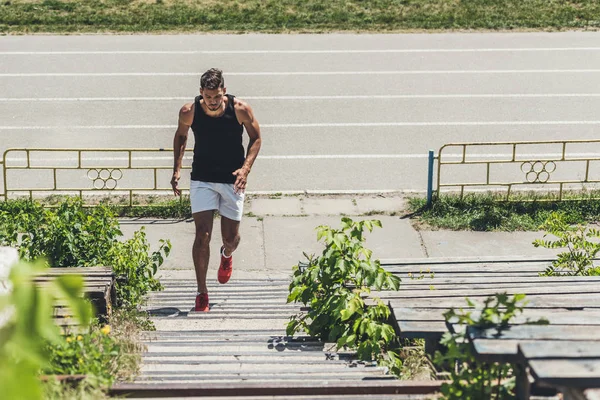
<point>491,261</point>
<point>577,289</point>
<point>537,332</point>
<point>585,300</point>
<point>491,350</point>
<point>564,349</point>
<point>469,260</point>
<point>312,388</point>
<point>472,275</point>
<point>506,267</point>
<point>470,272</point>
<point>421,329</point>
<point>477,281</point>
<point>78,270</point>
<point>568,373</point>
<point>508,350</point>
<point>557,316</point>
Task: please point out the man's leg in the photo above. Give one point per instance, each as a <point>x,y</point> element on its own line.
<point>201,250</point>
<point>230,231</point>
<point>231,206</point>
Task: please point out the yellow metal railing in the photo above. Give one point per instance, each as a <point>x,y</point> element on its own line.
<point>26,172</point>
<point>3,194</point>
<point>556,166</point>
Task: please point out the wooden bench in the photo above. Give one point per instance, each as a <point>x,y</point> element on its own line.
<point>560,357</point>
<point>570,304</point>
<point>99,287</point>
<point>419,305</point>
<point>569,366</point>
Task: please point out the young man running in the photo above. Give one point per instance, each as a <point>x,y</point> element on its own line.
<point>219,170</point>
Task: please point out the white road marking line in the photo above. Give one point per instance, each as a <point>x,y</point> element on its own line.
<point>312,157</point>
<point>318,125</point>
<point>333,97</point>
<point>300,73</point>
<point>325,51</point>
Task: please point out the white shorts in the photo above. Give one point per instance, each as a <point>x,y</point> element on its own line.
<point>206,196</point>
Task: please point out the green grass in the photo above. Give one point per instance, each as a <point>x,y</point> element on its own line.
<point>23,16</point>
<point>160,209</point>
<point>487,212</point>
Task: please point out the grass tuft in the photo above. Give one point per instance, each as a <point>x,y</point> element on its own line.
<point>27,16</point>
<point>489,212</point>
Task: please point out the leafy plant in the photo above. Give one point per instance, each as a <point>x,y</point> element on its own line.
<point>578,260</point>
<point>71,235</point>
<point>103,353</point>
<point>136,267</point>
<point>472,379</point>
<point>93,353</point>
<point>335,286</point>
<point>30,326</point>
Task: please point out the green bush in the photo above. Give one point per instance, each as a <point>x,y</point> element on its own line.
<point>335,285</point>
<point>136,267</point>
<point>578,260</point>
<point>71,235</point>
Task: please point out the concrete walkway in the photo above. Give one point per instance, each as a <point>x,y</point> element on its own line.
<point>276,231</point>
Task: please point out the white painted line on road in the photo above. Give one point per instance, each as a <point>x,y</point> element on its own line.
<point>325,51</point>
<point>446,123</point>
<point>334,97</point>
<point>318,125</point>
<point>337,156</point>
<point>299,73</point>
<point>88,127</point>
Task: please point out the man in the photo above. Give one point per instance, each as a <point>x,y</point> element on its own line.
<point>219,171</point>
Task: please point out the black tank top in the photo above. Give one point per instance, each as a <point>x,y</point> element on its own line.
<point>218,149</point>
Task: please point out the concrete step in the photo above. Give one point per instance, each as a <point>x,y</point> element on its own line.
<point>331,397</point>
<point>237,345</point>
<point>203,375</point>
<point>267,334</point>
<point>237,348</point>
<point>264,380</point>
<point>230,324</point>
<point>266,367</point>
<point>240,341</point>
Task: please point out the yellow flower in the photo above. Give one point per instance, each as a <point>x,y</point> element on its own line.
<point>79,337</point>
<point>105,329</point>
<point>69,340</point>
<point>80,360</point>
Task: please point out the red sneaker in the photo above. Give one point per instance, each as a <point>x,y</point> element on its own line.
<point>202,302</point>
<point>225,268</point>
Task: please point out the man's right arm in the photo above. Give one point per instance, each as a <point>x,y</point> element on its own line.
<point>186,117</point>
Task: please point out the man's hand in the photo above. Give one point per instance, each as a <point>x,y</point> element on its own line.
<point>175,183</point>
<point>241,179</point>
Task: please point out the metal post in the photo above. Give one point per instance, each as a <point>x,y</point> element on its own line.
<point>430,178</point>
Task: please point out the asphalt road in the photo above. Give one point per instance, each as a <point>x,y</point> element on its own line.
<point>338,112</point>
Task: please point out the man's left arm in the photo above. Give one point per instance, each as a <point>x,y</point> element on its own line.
<point>245,115</point>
